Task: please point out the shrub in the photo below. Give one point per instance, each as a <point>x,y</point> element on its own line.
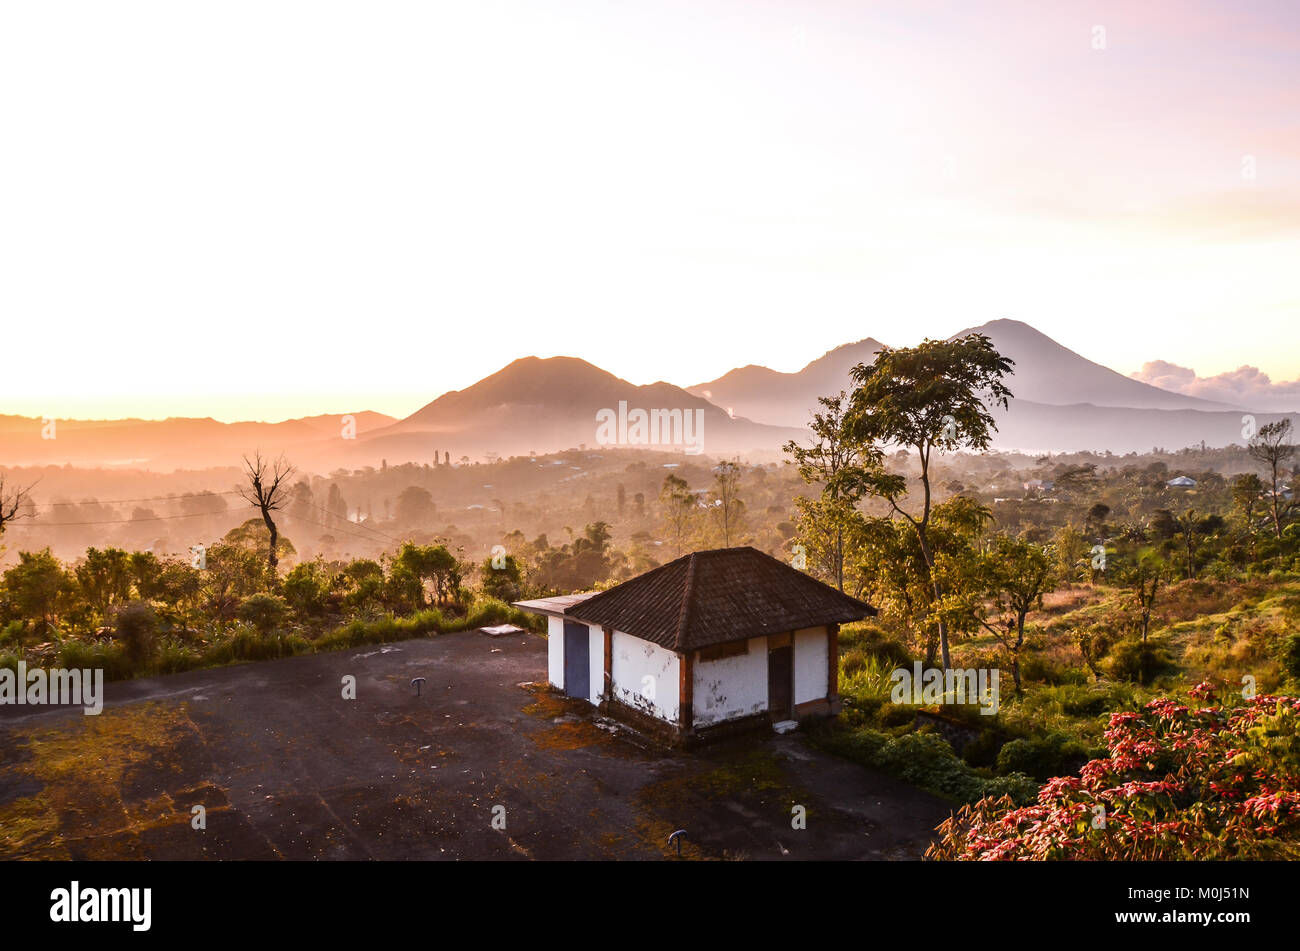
<point>264,611</point>
<point>1037,667</point>
<point>922,759</point>
<point>12,633</point>
<point>1178,784</point>
<point>983,750</point>
<point>1042,757</point>
<point>114,660</point>
<point>249,645</point>
<point>1138,663</point>
<point>176,658</point>
<point>137,629</point>
<point>1291,655</point>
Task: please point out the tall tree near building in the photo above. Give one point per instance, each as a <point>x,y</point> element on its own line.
<point>267,491</point>
<point>934,396</point>
<point>823,464</point>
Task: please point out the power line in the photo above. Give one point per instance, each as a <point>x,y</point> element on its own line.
<point>119,521</point>
<point>205,493</point>
<point>330,528</point>
<point>156,498</point>
<point>344,519</point>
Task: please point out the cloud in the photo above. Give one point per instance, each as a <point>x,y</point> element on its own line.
<point>1247,387</point>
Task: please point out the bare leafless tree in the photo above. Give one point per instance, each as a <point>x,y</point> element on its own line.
<point>268,491</point>
<point>12,503</point>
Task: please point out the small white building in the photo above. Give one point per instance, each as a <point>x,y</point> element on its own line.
<point>1181,482</point>
<point>711,642</point>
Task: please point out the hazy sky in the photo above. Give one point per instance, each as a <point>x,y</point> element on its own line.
<point>265,209</point>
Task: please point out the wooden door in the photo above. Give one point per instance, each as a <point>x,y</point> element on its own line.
<point>780,683</point>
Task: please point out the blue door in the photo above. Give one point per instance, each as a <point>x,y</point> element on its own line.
<point>577,660</point>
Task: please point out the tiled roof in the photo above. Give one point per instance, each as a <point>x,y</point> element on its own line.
<point>713,597</point>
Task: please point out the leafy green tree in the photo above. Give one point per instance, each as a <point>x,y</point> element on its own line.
<point>306,589</point>
<point>429,565</point>
<point>265,612</point>
<point>232,573</point>
<point>834,453</point>
<point>35,585</point>
<point>415,508</point>
<point>502,578</point>
<point>1247,490</point>
<point>104,577</point>
<point>1013,575</point>
<point>932,397</point>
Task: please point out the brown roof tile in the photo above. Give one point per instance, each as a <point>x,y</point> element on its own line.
<point>712,597</point>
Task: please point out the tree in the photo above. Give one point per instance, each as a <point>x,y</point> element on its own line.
<point>104,577</point>
<point>929,397</point>
<point>1246,491</point>
<point>35,583</point>
<point>505,583</point>
<point>728,510</point>
<point>824,463</point>
<point>13,503</point>
<point>1014,576</point>
<point>831,533</point>
<point>1144,578</point>
<point>268,491</point>
<point>306,588</point>
<point>678,505</point>
<point>415,507</point>
<point>1096,519</point>
<point>263,611</point>
<point>1272,447</point>
<point>1190,526</point>
<point>429,564</point>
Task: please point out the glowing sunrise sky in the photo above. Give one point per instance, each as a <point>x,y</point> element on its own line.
<point>256,210</point>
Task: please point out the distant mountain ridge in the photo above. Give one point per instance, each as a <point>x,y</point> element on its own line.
<point>1062,401</point>
<point>550,403</point>
<point>1045,372</point>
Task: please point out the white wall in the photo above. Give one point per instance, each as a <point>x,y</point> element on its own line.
<point>811,656</point>
<point>646,676</point>
<point>595,662</point>
<point>730,687</point>
<point>555,651</point>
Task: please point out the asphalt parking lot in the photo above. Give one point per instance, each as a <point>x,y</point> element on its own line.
<point>484,764</point>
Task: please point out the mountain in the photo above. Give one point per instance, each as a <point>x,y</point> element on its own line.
<point>1037,427</point>
<point>1046,372</point>
<point>173,443</point>
<point>787,399</point>
<point>537,404</point>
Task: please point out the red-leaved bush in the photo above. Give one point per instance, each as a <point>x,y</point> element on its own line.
<point>1179,783</point>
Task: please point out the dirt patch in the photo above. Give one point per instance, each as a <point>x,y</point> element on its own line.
<point>570,735</point>
<point>83,770</point>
